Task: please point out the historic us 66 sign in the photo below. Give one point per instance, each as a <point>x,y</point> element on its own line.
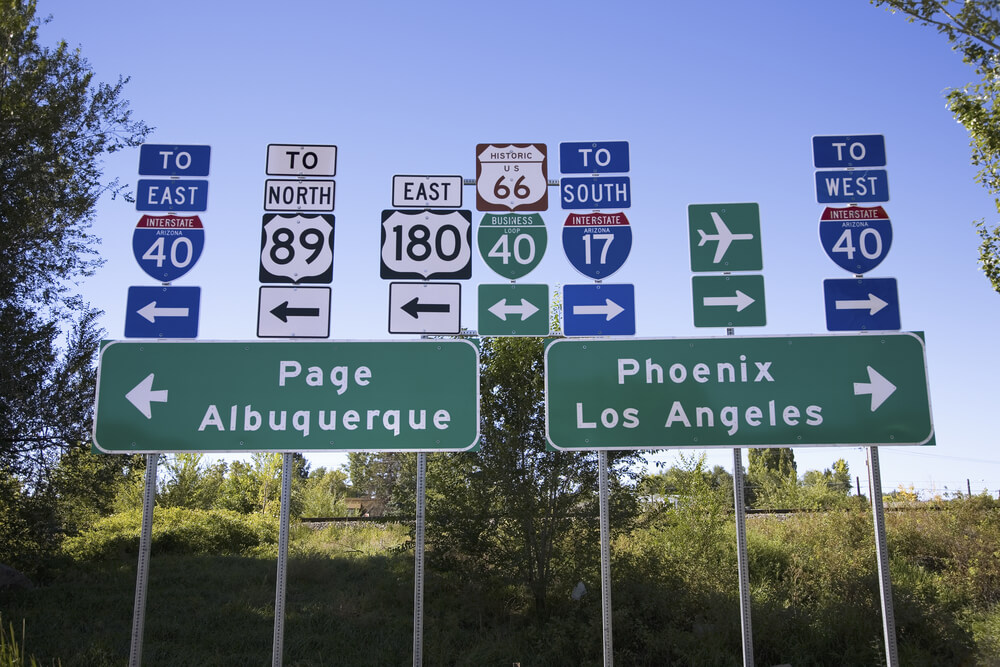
<point>511,177</point>
<point>167,246</point>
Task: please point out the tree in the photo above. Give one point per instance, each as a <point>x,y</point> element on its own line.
<point>972,27</point>
<point>55,124</point>
<point>514,512</point>
<point>772,477</point>
<point>388,478</point>
<point>324,493</point>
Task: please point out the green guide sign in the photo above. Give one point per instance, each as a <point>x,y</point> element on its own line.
<point>287,396</point>
<point>791,391</point>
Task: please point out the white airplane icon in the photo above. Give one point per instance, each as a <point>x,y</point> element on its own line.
<point>723,236</point>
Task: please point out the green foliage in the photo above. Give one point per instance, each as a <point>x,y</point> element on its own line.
<point>324,492</point>
<point>175,530</point>
<point>972,28</point>
<point>11,653</point>
<point>388,478</point>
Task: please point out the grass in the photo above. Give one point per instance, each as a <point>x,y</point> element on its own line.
<point>349,601</point>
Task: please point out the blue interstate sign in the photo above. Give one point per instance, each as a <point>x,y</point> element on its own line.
<point>599,310</point>
<point>859,150</point>
<point>597,192</point>
<point>593,157</point>
<point>173,196</point>
<point>856,238</point>
<point>167,246</point>
<point>861,304</point>
<point>852,187</point>
<point>597,244</point>
<point>173,160</point>
<point>162,312</point>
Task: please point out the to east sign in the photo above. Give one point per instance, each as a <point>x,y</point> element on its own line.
<point>427,191</point>
<point>860,150</point>
<point>296,160</point>
<point>173,160</point>
<point>188,196</point>
<point>287,396</point>
<point>597,244</point>
<point>737,392</point>
<point>593,157</point>
<point>167,246</point>
<point>856,238</point>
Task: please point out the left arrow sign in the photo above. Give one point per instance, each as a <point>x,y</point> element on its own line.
<point>143,396</point>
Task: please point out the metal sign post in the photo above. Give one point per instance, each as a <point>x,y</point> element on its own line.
<point>605,558</point>
<point>741,557</point>
<point>418,563</point>
<point>142,571</point>
<point>882,554</point>
<point>279,589</point>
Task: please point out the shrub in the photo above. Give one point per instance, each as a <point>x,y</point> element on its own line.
<point>175,530</point>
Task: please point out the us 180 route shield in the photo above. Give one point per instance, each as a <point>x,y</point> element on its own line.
<point>792,391</point>
<point>287,396</point>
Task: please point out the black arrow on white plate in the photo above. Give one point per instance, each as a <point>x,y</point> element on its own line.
<point>413,307</point>
<point>283,311</point>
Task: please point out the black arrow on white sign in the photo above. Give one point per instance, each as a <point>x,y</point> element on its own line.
<point>413,307</point>
<point>283,311</point>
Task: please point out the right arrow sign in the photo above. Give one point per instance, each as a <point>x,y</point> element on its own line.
<point>861,304</point>
<point>742,391</point>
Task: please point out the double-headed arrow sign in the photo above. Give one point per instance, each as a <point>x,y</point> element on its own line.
<point>737,392</point>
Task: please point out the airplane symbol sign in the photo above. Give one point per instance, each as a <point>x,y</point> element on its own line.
<point>725,237</point>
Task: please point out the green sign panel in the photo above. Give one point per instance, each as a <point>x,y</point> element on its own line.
<point>792,391</point>
<point>725,237</point>
<point>513,310</point>
<point>287,396</point>
<point>512,244</point>
<point>728,301</point>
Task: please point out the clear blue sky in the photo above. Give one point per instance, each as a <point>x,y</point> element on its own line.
<point>718,101</point>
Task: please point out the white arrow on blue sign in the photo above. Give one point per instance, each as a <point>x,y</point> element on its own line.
<point>162,312</point>
<point>599,310</point>
<point>174,160</point>
<point>593,157</point>
<point>861,304</point>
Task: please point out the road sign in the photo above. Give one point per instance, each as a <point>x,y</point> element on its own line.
<point>425,308</point>
<point>859,150</point>
<point>599,310</point>
<point>187,196</point>
<point>597,244</point>
<point>167,246</point>
<point>287,396</point>
<point>293,312</point>
<point>513,310</point>
<point>725,237</point>
<point>427,191</point>
<point>296,248</point>
<point>856,238</point>
<point>861,304</point>
<point>788,391</point>
<point>596,192</point>
<point>427,244</point>
<point>593,157</point>
<point>174,160</point>
<point>315,196</point>
<point>512,177</point>
<point>728,301</point>
<point>299,160</point>
<point>512,244</point>
<point>852,187</point>
<point>162,312</point>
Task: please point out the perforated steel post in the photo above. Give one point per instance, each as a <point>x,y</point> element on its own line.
<point>142,570</point>
<point>882,554</point>
<point>279,587</point>
<point>605,558</point>
<point>418,564</point>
